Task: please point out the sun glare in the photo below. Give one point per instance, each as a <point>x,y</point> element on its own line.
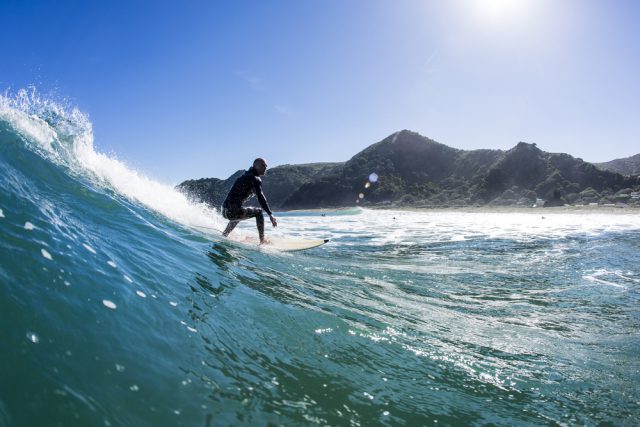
<point>501,10</point>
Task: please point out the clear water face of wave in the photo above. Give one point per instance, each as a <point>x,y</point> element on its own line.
<point>116,310</point>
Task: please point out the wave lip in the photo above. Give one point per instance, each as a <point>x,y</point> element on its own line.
<point>64,135</point>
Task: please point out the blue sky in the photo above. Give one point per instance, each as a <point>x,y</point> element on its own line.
<point>195,89</point>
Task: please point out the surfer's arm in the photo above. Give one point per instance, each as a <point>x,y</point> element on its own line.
<point>257,184</point>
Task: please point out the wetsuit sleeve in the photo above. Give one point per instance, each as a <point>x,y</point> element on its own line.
<point>257,185</point>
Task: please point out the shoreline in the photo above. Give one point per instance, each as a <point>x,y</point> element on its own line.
<point>601,209</point>
<point>513,208</point>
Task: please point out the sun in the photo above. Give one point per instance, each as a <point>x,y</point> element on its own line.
<point>501,10</point>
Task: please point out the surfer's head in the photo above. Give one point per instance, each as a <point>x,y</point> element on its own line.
<point>260,166</point>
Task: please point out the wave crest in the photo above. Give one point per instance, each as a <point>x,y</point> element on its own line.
<point>64,134</point>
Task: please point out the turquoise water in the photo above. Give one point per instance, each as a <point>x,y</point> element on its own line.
<point>116,311</point>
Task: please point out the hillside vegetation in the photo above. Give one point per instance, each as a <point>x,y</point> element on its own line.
<point>625,166</point>
<point>413,170</point>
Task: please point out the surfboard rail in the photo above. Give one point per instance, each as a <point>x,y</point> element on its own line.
<point>292,245</point>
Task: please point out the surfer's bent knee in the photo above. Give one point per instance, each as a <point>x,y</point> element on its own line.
<point>242,213</point>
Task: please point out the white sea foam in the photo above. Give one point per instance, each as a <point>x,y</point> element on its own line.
<point>17,112</point>
<point>159,197</point>
<point>109,304</point>
<point>33,337</point>
<point>384,227</point>
<point>46,254</point>
<point>594,278</point>
<point>66,136</point>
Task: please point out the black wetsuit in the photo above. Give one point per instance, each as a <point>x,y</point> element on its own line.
<point>244,187</point>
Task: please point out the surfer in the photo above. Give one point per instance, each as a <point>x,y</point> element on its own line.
<point>244,187</point>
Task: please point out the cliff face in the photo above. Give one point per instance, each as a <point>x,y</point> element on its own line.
<point>412,170</point>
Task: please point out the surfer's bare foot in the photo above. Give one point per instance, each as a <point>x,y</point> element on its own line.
<point>265,241</point>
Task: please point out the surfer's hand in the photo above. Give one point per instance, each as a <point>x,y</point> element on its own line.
<point>274,221</point>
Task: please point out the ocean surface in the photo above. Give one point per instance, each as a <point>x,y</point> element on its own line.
<point>117,308</point>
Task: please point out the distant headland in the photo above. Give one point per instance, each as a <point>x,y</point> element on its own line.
<point>407,169</point>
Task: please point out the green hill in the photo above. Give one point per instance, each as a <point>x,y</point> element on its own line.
<point>625,166</point>
<point>413,170</point>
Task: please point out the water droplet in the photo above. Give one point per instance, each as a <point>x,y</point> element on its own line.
<point>134,388</point>
<point>141,294</point>
<point>385,413</point>
<point>367,185</point>
<point>1,214</point>
<point>128,279</point>
<point>174,304</point>
<point>33,337</point>
<point>192,329</point>
<point>89,248</point>
<point>373,177</point>
<point>66,283</point>
<point>112,264</point>
<point>28,226</point>
<point>361,196</point>
<point>109,304</point>
<point>46,254</point>
<point>119,368</point>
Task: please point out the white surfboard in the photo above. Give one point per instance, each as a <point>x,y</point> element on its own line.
<point>278,243</point>
<point>290,245</point>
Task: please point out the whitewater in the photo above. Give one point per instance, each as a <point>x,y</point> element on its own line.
<point>120,305</point>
